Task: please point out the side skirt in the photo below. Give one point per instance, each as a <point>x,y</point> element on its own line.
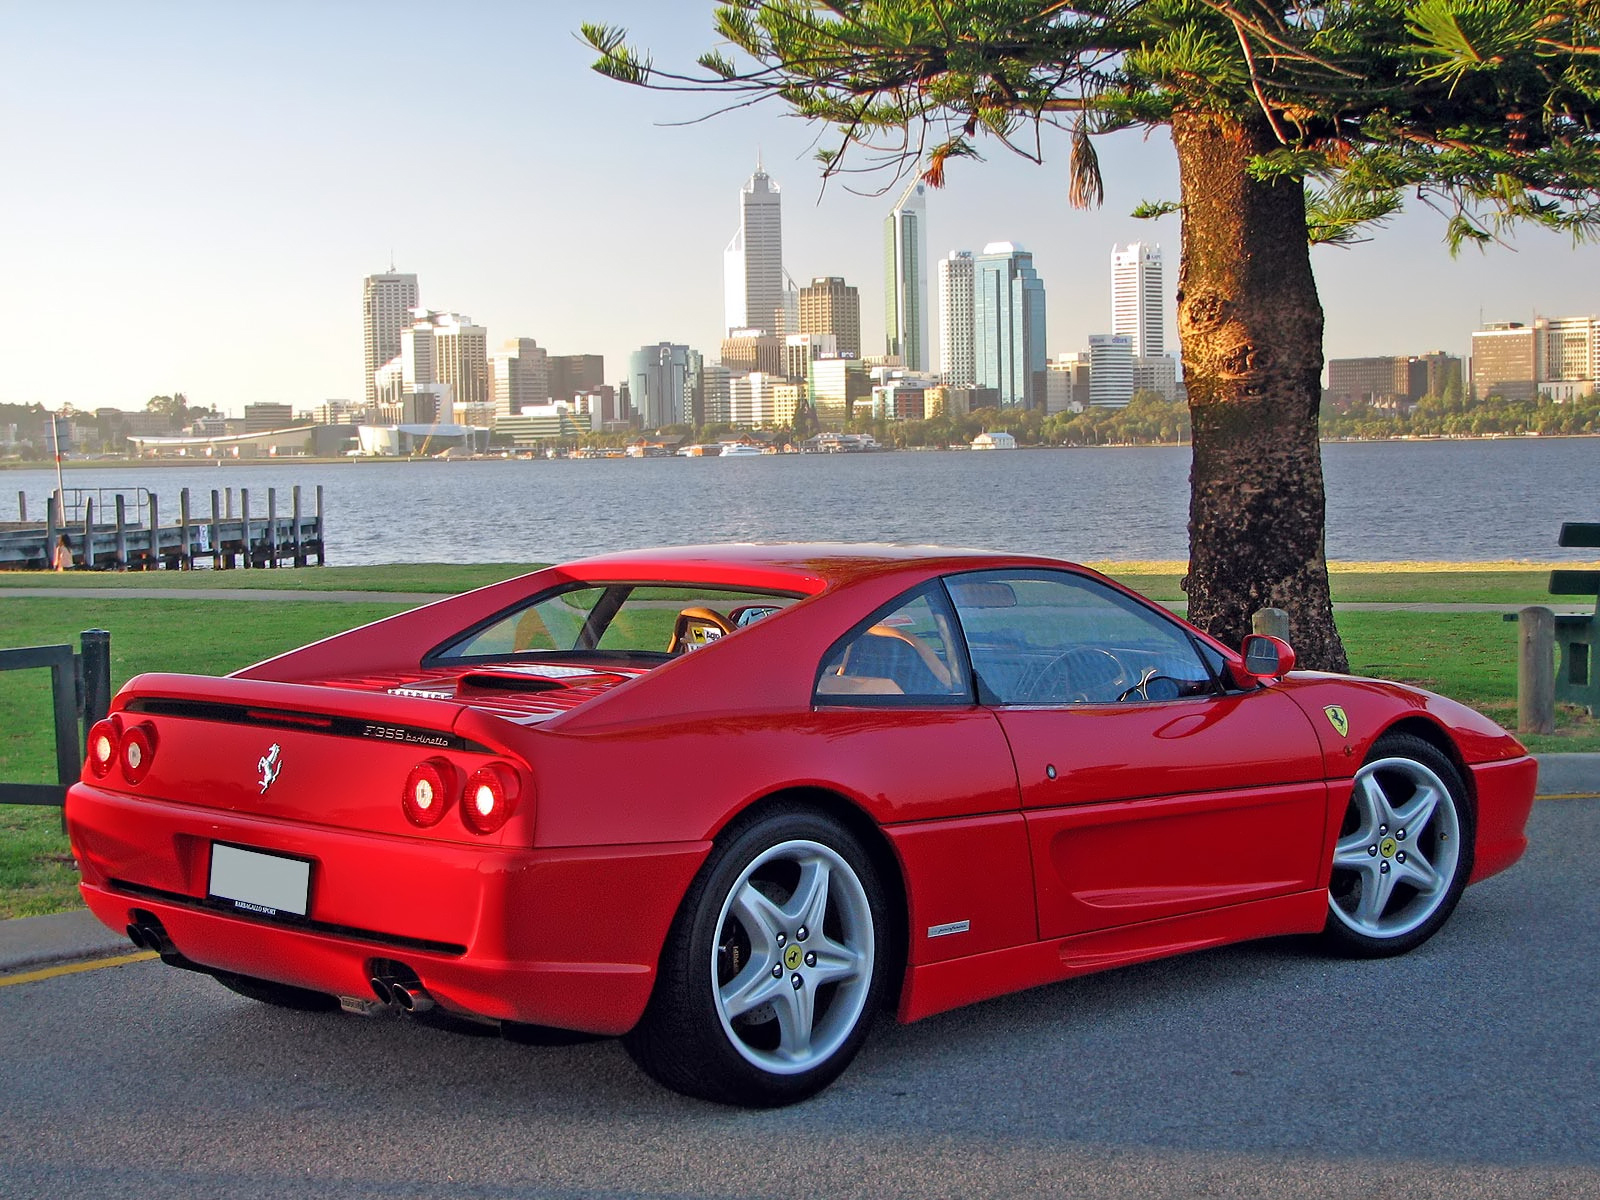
<point>941,986</point>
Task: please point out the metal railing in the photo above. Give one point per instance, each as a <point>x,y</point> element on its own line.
<point>80,692</point>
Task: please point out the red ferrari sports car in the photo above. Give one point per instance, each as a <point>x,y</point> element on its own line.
<point>728,801</point>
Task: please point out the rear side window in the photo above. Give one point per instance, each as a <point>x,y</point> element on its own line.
<point>907,653</point>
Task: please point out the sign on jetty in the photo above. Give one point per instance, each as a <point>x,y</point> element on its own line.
<point>132,537</point>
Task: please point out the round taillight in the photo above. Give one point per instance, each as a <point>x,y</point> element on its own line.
<point>138,748</point>
<point>489,798</point>
<point>104,741</point>
<point>429,789</point>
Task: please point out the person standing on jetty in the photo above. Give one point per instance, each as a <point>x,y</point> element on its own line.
<point>62,559</point>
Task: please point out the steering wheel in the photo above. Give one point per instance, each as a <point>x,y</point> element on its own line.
<point>1152,686</point>
<point>1081,675</point>
<point>695,627</point>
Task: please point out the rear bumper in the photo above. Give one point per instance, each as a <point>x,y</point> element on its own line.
<point>1505,798</point>
<point>567,937</point>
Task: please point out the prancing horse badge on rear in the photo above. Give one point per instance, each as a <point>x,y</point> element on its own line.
<point>269,766</point>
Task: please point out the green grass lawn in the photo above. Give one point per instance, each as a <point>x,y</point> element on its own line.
<point>1468,656</point>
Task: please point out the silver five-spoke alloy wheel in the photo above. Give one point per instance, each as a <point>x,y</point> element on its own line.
<point>1398,856</point>
<point>793,962</point>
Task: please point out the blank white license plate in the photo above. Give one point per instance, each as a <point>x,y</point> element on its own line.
<point>251,881</point>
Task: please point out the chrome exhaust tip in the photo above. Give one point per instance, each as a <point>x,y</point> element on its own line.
<point>411,999</point>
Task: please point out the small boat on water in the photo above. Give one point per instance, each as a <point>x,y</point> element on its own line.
<point>740,450</point>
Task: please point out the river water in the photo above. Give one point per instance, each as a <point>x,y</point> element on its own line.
<point>1475,501</point>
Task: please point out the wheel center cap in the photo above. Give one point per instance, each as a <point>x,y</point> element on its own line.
<point>793,956</point>
<point>1388,846</point>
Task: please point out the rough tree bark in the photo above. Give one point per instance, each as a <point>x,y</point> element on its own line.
<point>1251,327</point>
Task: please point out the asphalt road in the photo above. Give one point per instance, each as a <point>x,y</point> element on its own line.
<point>1468,1068</point>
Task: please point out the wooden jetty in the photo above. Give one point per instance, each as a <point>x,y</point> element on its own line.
<point>124,540</point>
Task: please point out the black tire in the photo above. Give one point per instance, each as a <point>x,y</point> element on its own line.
<point>1395,884</point>
<point>805,996</point>
<point>279,995</point>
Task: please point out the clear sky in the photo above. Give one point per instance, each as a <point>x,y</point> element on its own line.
<point>192,190</point>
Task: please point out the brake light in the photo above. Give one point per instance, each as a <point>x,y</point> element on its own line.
<point>490,798</point>
<point>138,749</point>
<point>429,790</point>
<point>104,740</point>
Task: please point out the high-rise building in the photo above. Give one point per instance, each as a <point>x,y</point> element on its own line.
<point>1137,307</point>
<point>800,350</point>
<point>829,306</point>
<point>1110,370</point>
<point>572,374</point>
<point>1067,383</point>
<point>1008,325</point>
<point>834,386</point>
<point>905,279</point>
<point>1507,361</point>
<point>386,304</point>
<point>955,319</point>
<point>446,347</point>
<point>519,377</point>
<point>752,265</point>
<point>1571,347</point>
<point>746,350</point>
<point>659,384</point>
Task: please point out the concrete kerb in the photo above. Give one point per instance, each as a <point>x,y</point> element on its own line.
<point>31,943</point>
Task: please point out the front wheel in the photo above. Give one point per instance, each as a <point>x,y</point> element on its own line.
<point>772,969</point>
<point>1404,851</point>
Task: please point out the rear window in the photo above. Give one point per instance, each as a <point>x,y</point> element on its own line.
<point>624,618</point>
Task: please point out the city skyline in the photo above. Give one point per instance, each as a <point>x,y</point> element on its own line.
<point>197,175</point>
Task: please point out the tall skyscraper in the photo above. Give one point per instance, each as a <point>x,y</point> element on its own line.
<point>386,304</point>
<point>1137,308</point>
<point>752,265</point>
<point>1008,325</point>
<point>955,319</point>
<point>905,279</point>
<point>830,306</point>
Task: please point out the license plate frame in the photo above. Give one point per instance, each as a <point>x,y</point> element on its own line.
<point>262,883</point>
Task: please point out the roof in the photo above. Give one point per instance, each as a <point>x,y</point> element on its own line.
<point>805,566</point>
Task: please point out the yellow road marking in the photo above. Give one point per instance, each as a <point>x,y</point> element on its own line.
<point>75,968</point>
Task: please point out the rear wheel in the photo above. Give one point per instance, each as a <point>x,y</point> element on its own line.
<point>772,969</point>
<point>1404,851</point>
<point>279,995</point>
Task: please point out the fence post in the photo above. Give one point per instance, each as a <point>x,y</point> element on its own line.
<point>244,517</point>
<point>1536,670</point>
<point>1274,622</point>
<point>96,702</point>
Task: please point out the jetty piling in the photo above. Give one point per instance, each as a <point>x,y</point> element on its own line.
<point>123,534</point>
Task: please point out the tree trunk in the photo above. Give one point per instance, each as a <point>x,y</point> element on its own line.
<point>1251,327</point>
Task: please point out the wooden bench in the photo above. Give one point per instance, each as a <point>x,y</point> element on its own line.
<point>1577,677</point>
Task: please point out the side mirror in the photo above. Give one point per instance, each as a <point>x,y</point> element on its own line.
<point>1267,657</point>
